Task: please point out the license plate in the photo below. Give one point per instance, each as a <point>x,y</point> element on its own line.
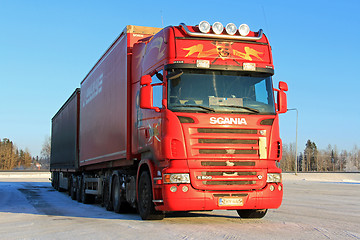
<point>231,201</point>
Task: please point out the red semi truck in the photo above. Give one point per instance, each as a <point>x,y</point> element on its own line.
<point>176,119</point>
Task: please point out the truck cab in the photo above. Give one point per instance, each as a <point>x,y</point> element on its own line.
<point>206,121</point>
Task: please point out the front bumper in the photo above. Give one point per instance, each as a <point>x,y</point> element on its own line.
<point>196,200</point>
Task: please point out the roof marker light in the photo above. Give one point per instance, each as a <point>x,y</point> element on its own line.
<point>231,28</point>
<point>244,30</point>
<point>218,28</point>
<point>204,27</point>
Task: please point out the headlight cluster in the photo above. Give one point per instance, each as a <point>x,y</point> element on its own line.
<point>218,28</point>
<point>274,178</point>
<point>177,178</point>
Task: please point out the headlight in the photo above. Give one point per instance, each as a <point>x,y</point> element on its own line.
<point>204,26</point>
<point>231,28</point>
<point>218,28</point>
<point>273,177</point>
<point>244,30</point>
<point>177,178</point>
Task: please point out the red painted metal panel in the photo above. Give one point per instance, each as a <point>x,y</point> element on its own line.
<point>105,105</point>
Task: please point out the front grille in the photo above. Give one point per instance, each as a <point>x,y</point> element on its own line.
<point>228,158</point>
<point>228,173</point>
<point>228,178</point>
<point>229,182</point>
<point>226,130</point>
<point>232,195</point>
<point>224,142</point>
<point>226,151</point>
<point>227,163</point>
<point>228,141</point>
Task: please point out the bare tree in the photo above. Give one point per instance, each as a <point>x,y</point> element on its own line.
<point>287,162</point>
<point>352,160</point>
<point>45,153</point>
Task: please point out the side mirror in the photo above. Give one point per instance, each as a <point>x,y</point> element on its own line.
<point>281,97</point>
<point>283,86</point>
<point>145,80</point>
<point>146,93</point>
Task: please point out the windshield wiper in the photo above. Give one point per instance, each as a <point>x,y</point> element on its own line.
<point>198,106</point>
<point>242,107</point>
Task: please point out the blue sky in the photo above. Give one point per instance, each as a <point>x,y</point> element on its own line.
<point>47,48</point>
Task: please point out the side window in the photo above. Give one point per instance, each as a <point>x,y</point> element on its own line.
<point>157,89</point>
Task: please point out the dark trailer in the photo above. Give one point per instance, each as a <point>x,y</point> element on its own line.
<point>64,156</point>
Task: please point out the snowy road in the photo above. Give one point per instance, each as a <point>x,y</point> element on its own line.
<point>31,209</point>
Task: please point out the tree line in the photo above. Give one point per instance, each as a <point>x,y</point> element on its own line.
<point>312,159</point>
<point>13,158</point>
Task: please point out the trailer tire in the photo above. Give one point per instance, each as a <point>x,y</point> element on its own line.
<point>78,189</point>
<point>145,204</point>
<point>107,197</point>
<point>72,189</point>
<point>118,201</point>
<point>252,213</point>
<point>55,181</point>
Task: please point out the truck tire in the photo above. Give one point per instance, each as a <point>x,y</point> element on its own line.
<point>106,196</point>
<point>118,201</point>
<point>145,204</point>
<point>116,194</point>
<point>252,213</point>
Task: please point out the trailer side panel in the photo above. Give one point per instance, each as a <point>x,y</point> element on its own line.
<point>64,136</point>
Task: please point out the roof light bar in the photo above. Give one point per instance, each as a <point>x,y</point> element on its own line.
<point>204,27</point>
<point>205,33</point>
<point>244,30</point>
<point>231,28</point>
<point>217,28</point>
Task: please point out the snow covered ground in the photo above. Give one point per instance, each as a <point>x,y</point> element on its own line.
<point>314,207</point>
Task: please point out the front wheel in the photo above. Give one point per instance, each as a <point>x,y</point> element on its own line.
<point>252,213</point>
<point>146,206</point>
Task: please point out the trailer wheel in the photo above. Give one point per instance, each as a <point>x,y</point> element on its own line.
<point>55,181</point>
<point>118,201</point>
<point>72,188</point>
<point>106,196</point>
<point>252,213</point>
<point>146,206</point>
<point>78,189</point>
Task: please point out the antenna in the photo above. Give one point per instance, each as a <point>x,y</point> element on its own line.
<point>266,23</point>
<point>162,19</point>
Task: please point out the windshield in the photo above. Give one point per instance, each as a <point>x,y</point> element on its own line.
<point>221,91</point>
